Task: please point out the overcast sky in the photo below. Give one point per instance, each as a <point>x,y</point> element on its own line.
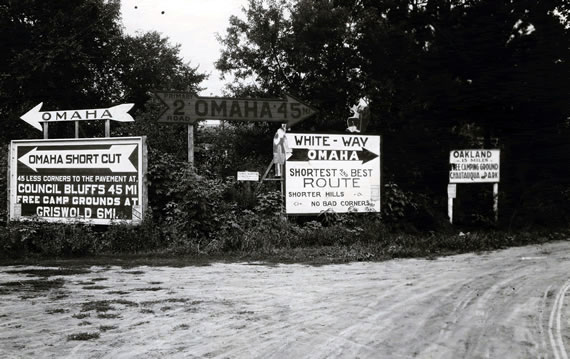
<point>191,23</point>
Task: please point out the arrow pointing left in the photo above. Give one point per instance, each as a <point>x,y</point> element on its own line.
<point>115,158</point>
<point>116,113</point>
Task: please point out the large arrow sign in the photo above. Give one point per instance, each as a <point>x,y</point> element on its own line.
<point>115,158</point>
<point>184,107</point>
<point>303,154</point>
<point>116,113</point>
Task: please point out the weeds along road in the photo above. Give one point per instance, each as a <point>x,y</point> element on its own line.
<point>506,304</point>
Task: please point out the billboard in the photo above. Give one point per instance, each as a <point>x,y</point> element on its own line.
<point>332,172</point>
<point>98,180</point>
<point>474,166</point>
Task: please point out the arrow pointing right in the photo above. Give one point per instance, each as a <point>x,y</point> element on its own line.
<point>302,155</point>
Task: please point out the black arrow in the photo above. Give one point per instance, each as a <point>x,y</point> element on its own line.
<point>302,155</point>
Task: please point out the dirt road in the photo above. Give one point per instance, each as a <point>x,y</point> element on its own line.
<point>506,304</point>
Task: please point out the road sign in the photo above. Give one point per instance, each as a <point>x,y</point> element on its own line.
<point>116,113</point>
<point>99,180</point>
<point>474,166</point>
<point>114,158</point>
<point>185,107</point>
<point>332,172</point>
<point>248,176</point>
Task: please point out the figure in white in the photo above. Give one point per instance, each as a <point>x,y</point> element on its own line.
<point>281,150</point>
<point>356,123</point>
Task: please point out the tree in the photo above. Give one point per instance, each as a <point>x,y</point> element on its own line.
<point>73,54</point>
<point>438,74</point>
<point>301,48</point>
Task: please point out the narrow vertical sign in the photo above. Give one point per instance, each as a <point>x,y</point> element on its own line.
<point>97,181</point>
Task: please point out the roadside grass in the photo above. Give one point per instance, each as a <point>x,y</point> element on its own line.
<point>118,292</point>
<point>33,285</point>
<point>291,243</point>
<point>149,289</point>
<point>108,316</point>
<point>84,336</point>
<point>57,311</point>
<point>81,315</point>
<point>49,272</point>
<point>102,306</point>
<point>59,295</point>
<point>95,287</point>
<point>167,300</point>
<point>104,328</point>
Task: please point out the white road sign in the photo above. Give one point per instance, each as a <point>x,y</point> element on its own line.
<point>474,166</point>
<point>115,158</point>
<point>97,180</point>
<point>116,113</point>
<point>332,172</point>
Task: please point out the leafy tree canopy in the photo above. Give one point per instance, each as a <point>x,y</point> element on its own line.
<point>74,54</point>
<point>437,73</point>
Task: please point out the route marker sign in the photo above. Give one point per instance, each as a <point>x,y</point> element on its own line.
<point>474,166</point>
<point>186,107</point>
<point>118,113</point>
<point>332,172</point>
<point>98,180</point>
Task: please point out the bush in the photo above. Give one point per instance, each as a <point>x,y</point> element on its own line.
<point>49,239</point>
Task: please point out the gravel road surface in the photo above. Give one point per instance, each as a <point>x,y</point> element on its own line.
<point>512,303</point>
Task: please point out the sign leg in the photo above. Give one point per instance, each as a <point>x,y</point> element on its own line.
<point>496,201</point>
<point>76,129</point>
<point>107,128</point>
<point>191,144</point>
<point>450,209</point>
<point>46,130</point>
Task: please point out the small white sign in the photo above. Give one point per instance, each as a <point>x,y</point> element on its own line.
<point>474,166</point>
<point>248,176</point>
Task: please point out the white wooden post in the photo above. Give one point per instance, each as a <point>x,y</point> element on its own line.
<point>496,201</point>
<point>451,194</point>
<point>191,144</point>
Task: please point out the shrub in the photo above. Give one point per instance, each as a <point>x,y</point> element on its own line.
<point>50,239</point>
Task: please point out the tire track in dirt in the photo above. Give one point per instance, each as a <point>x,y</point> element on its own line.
<point>554,326</point>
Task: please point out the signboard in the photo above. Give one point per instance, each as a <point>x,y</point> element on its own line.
<point>99,180</point>
<point>186,107</point>
<point>332,172</point>
<point>116,113</point>
<point>474,166</point>
<point>247,176</point>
